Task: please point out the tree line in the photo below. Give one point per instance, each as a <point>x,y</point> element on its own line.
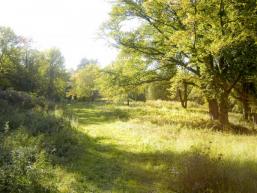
<point>198,50</point>
<point>23,68</point>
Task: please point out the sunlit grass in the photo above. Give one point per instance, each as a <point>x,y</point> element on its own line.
<point>135,149</point>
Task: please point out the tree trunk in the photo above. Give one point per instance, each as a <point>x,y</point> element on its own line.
<point>224,107</point>
<point>254,118</point>
<point>246,109</point>
<point>128,101</point>
<point>213,109</point>
<point>183,99</point>
<point>185,95</point>
<point>244,98</point>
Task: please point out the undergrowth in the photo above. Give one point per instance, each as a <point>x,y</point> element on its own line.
<point>33,141</point>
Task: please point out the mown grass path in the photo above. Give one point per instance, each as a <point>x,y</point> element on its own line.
<point>151,147</point>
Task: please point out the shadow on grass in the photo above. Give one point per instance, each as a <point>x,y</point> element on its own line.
<point>239,130</point>
<point>106,168</point>
<point>203,124</point>
<point>98,114</point>
<point>102,167</point>
<point>95,114</point>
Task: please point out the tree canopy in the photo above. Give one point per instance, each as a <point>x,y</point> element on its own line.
<point>214,41</point>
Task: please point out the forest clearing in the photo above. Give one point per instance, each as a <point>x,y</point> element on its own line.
<point>128,96</point>
<point>160,147</point>
<point>147,147</point>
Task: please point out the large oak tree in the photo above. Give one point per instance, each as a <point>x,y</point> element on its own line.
<point>215,40</point>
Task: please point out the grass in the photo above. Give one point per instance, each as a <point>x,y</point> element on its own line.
<point>152,147</point>
<point>159,147</point>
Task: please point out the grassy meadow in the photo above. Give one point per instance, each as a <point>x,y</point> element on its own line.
<point>152,147</point>
<point>160,147</point>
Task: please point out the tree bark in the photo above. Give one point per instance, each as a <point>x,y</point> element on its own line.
<point>213,109</point>
<point>244,98</point>
<point>254,115</point>
<point>185,95</point>
<point>224,108</point>
<point>183,99</point>
<point>246,109</point>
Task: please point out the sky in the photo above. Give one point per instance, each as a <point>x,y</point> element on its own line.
<point>70,25</point>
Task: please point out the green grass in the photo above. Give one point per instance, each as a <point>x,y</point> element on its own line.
<point>152,147</point>
<point>157,147</point>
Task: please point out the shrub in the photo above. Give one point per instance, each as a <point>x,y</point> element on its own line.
<point>199,172</point>
<point>31,140</point>
<point>62,146</point>
<point>23,164</point>
<point>21,99</point>
<point>43,123</point>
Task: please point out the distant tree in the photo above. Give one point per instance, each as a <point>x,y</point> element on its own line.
<point>28,78</point>
<point>54,73</point>
<point>185,86</point>
<point>84,62</point>
<point>10,56</point>
<point>123,79</point>
<point>84,85</point>
<point>26,69</point>
<point>158,90</point>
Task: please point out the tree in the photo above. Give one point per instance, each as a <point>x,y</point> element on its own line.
<point>28,76</point>
<point>192,35</point>
<point>84,82</point>
<point>54,73</point>
<point>84,62</point>
<point>184,84</point>
<point>26,69</point>
<point>123,80</point>
<point>10,56</point>
<point>158,90</point>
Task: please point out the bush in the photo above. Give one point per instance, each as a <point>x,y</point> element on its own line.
<point>62,146</point>
<point>199,172</point>
<point>23,164</point>
<point>21,99</point>
<point>31,141</point>
<point>43,123</point>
